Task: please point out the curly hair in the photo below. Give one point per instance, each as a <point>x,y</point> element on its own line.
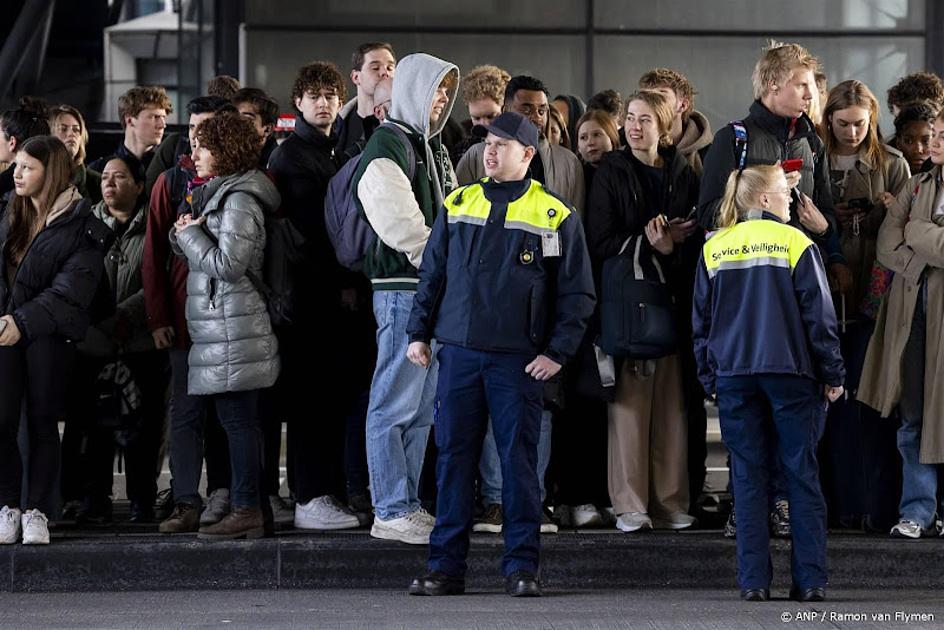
<point>233,142</point>
<point>485,82</point>
<point>142,97</point>
<point>920,86</point>
<point>318,75</point>
<point>675,81</point>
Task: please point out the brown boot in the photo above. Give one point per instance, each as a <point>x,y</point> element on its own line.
<point>184,518</point>
<point>239,523</point>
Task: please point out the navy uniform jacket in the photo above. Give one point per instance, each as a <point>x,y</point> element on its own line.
<point>489,281</point>
<point>762,305</point>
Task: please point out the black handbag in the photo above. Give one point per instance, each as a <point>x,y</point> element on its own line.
<point>636,306</point>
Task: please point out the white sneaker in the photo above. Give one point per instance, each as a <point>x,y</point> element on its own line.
<point>10,526</point>
<point>412,529</point>
<point>675,520</point>
<point>633,521</point>
<point>587,515</point>
<point>426,516</point>
<point>35,528</point>
<point>217,507</point>
<point>906,529</point>
<point>324,513</point>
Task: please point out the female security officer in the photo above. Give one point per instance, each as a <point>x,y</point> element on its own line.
<point>760,275</point>
<point>506,288</point>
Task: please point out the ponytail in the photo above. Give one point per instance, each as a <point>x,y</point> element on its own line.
<point>742,191</point>
<point>727,212</point>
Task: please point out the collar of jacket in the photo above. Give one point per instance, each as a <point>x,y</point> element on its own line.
<point>672,161</point>
<point>779,126</point>
<point>505,192</point>
<point>756,214</point>
<point>136,223</point>
<point>314,137</point>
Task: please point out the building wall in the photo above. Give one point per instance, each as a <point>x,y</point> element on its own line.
<point>714,42</point>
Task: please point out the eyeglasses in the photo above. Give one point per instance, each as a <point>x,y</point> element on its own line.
<point>780,191</point>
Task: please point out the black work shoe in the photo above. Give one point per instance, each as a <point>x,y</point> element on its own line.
<point>755,595</point>
<point>522,584</point>
<point>437,583</point>
<point>814,594</point>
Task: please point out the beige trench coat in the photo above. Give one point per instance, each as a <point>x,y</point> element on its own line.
<point>912,246</point>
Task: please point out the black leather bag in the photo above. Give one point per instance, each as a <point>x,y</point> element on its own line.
<point>636,306</point>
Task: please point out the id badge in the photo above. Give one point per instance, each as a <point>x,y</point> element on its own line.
<point>551,245</point>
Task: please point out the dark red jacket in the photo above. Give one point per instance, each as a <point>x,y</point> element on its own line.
<point>164,274</point>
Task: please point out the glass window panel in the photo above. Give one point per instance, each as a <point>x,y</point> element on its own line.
<point>720,67</point>
<point>429,13</point>
<point>728,15</point>
<point>272,58</point>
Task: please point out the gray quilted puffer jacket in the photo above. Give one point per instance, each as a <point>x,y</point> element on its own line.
<point>234,348</point>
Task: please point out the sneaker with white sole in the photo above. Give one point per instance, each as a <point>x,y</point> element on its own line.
<point>586,515</point>
<point>633,522</point>
<point>547,525</point>
<point>426,516</point>
<point>906,529</point>
<point>412,529</point>
<point>324,512</point>
<point>675,520</point>
<point>10,525</point>
<point>217,506</point>
<point>35,528</point>
<point>490,521</point>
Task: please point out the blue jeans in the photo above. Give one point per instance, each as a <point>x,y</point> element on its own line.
<point>474,385</point>
<point>919,481</point>
<point>796,408</point>
<point>239,415</point>
<point>400,411</point>
<point>490,464</point>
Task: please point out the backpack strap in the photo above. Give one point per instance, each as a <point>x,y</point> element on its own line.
<point>740,142</point>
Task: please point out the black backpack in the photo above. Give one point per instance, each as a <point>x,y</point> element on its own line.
<point>281,262</point>
<point>636,306</point>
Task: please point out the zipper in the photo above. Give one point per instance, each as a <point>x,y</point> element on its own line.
<point>212,294</point>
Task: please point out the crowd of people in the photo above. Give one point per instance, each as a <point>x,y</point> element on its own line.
<point>552,289</point>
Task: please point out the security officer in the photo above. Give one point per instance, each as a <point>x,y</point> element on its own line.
<point>506,289</point>
<point>766,343</point>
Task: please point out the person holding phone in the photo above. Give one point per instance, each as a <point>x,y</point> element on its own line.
<point>903,363</point>
<point>858,454</point>
<point>51,260</point>
<point>777,128</point>
<point>647,189</point>
<point>759,274</point>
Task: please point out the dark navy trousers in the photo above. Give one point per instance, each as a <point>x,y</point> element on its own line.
<point>472,387</point>
<point>796,407</point>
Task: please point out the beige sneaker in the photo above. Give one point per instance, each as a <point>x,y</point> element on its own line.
<point>412,529</point>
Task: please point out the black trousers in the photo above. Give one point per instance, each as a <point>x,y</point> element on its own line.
<point>90,471</point>
<point>35,372</point>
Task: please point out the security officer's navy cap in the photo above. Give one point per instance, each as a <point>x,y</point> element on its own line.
<point>513,126</point>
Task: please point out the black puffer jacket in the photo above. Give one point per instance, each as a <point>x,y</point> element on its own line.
<point>53,289</point>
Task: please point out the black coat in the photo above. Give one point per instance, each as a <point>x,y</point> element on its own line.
<point>769,141</point>
<point>619,206</point>
<point>54,287</point>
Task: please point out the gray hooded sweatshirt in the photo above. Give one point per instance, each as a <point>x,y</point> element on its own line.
<point>400,210</point>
